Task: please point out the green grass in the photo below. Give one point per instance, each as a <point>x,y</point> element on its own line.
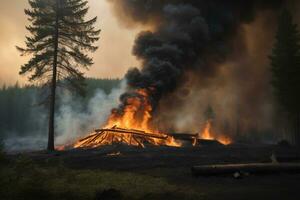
<point>23,179</point>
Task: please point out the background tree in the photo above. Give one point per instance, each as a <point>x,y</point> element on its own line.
<point>209,113</point>
<point>285,61</point>
<point>60,38</point>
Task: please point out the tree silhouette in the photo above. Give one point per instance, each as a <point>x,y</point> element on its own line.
<point>59,42</point>
<point>285,61</point>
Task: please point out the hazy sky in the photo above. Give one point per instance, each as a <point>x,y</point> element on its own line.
<point>112,59</point>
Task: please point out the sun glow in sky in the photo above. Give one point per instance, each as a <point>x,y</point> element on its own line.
<point>112,59</point>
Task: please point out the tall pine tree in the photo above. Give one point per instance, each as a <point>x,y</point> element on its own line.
<point>285,61</point>
<point>59,42</point>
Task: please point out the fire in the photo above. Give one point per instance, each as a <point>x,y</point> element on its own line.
<point>135,115</point>
<point>207,134</point>
<point>131,126</point>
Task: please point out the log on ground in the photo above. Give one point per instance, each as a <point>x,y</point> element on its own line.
<point>253,168</point>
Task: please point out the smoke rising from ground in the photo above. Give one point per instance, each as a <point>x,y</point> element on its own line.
<point>72,122</point>
<point>195,54</point>
<point>240,90</point>
<point>204,53</point>
<point>74,118</point>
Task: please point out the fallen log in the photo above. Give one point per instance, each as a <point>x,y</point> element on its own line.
<point>90,136</point>
<point>133,132</point>
<point>253,168</point>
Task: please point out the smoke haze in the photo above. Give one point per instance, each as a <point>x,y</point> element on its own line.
<point>193,54</point>
<point>204,53</point>
<point>74,118</point>
<point>72,122</point>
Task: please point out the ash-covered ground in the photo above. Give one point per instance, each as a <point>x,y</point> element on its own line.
<point>173,165</point>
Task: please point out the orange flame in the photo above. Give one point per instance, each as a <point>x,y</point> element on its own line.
<point>207,134</point>
<point>135,116</point>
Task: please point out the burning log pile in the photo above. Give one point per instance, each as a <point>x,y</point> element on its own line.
<point>109,136</point>
<point>140,138</point>
<point>131,125</point>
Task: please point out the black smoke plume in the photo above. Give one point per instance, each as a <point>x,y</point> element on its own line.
<point>187,36</point>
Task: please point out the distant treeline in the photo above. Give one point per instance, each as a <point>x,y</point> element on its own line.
<point>19,106</point>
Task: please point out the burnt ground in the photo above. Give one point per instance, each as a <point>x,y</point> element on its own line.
<point>174,165</point>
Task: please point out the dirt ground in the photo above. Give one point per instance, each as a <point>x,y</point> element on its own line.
<point>174,166</point>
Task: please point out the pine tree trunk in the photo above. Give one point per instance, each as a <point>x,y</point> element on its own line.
<point>53,87</point>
